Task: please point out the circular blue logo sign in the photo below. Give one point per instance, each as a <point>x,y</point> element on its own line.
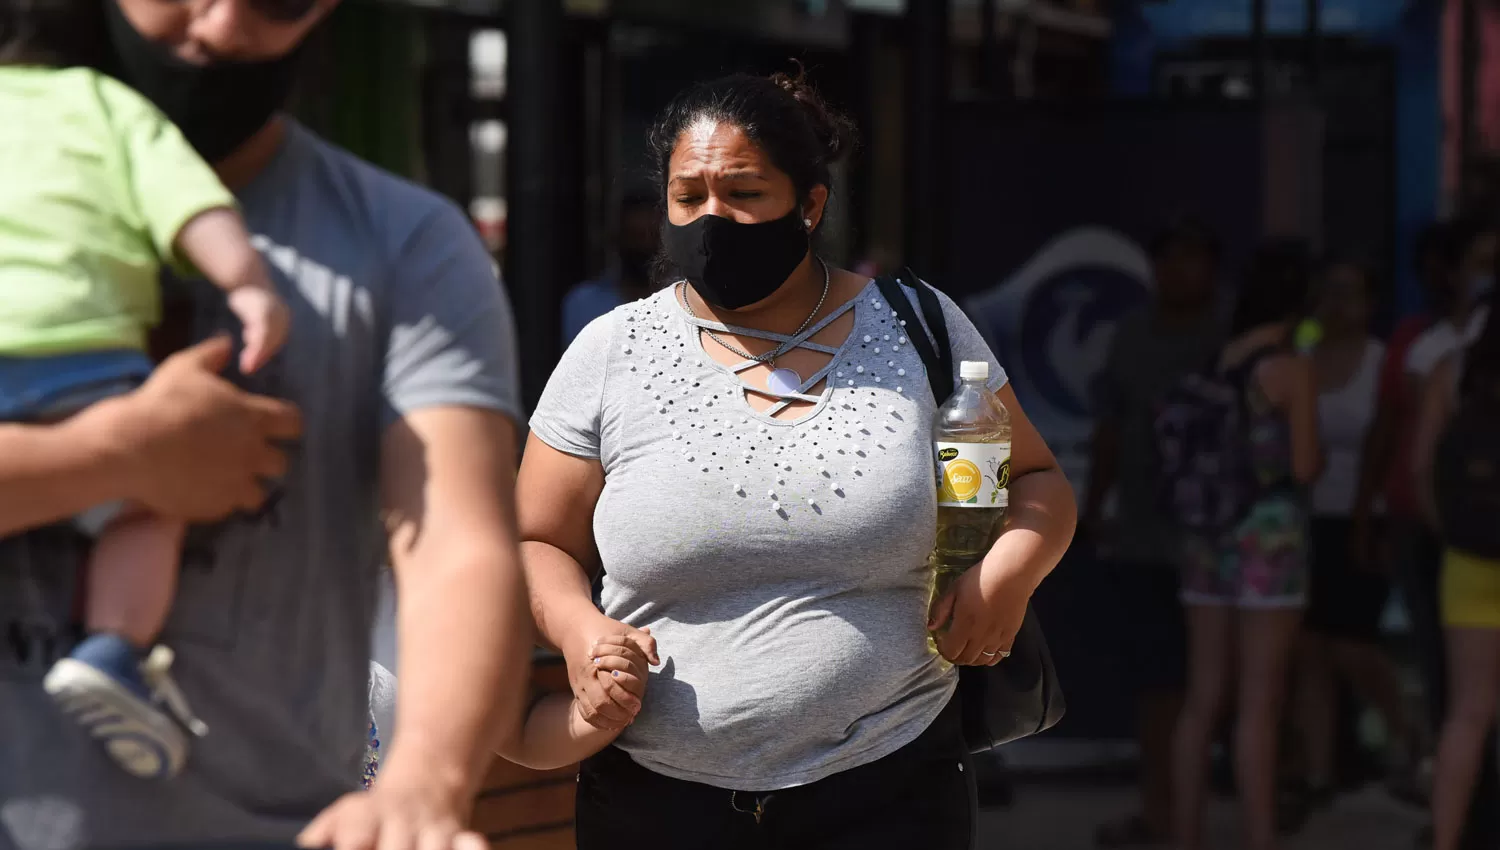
<point>1067,324</point>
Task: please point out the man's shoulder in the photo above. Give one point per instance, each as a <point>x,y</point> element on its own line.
<point>395,206</point>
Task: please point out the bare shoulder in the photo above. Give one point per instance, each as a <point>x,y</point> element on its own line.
<point>844,285</point>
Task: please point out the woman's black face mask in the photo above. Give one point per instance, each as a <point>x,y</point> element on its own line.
<point>731,264</point>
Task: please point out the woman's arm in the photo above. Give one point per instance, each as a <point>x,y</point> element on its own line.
<point>1437,408</point>
<point>1299,398</point>
<point>988,604</point>
<point>555,498</point>
<point>556,734</point>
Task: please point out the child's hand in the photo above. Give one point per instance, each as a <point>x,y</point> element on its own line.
<point>266,320</point>
<point>625,663</point>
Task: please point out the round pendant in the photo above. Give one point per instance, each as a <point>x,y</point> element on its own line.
<point>784,382</point>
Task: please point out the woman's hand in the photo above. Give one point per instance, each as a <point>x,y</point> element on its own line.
<point>983,612</point>
<point>607,702</point>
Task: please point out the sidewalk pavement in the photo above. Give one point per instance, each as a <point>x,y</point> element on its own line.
<point>1053,816</point>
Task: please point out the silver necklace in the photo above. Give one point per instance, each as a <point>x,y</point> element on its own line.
<point>783,381</point>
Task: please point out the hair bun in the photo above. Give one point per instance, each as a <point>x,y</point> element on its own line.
<point>835,131</point>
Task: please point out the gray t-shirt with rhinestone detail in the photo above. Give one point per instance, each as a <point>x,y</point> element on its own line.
<point>780,564</point>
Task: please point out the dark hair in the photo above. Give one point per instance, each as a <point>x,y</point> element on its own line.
<point>1361,266</point>
<point>57,33</point>
<point>1276,285</point>
<point>1185,231</point>
<point>782,114</point>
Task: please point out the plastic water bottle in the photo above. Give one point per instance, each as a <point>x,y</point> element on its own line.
<point>971,438</point>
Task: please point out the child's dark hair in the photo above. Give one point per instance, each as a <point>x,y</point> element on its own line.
<point>782,114</point>
<point>53,33</point>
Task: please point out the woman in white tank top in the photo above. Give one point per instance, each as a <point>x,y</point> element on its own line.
<point>1346,599</point>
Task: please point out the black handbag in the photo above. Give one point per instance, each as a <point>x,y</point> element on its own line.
<point>1020,696</point>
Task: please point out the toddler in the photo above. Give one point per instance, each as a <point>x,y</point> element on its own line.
<point>98,192</point>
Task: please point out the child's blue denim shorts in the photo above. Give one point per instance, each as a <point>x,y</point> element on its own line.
<point>49,389</point>
<point>46,389</point>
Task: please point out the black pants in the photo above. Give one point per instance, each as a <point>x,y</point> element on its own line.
<point>1418,569</point>
<point>921,796</point>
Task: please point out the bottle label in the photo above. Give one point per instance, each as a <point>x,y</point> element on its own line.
<point>973,475</point>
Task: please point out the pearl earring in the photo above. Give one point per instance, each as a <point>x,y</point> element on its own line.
<point>808,222</point>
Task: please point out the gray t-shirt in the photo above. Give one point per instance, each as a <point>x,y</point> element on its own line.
<point>1145,359</point>
<point>793,641</point>
<point>396,308</point>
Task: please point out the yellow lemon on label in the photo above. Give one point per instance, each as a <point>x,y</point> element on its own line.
<point>961,480</point>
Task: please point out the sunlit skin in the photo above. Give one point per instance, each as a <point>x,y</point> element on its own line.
<point>205,31</point>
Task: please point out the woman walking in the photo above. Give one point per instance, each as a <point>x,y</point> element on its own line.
<point>1470,587</point>
<point>746,455</point>
<point>1245,590</point>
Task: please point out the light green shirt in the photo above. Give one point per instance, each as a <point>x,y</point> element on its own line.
<point>95,185</point>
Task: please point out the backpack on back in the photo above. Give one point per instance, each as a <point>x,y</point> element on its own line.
<point>1202,435</point>
<point>1466,464</point>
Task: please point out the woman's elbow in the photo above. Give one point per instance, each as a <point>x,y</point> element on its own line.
<point>1052,495</point>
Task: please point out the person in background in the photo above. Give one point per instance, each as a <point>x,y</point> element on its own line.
<point>1454,261</point>
<point>401,359</point>
<point>637,242</point>
<point>1463,777</point>
<point>1346,596</point>
<point>1245,590</point>
<point>1152,349</point>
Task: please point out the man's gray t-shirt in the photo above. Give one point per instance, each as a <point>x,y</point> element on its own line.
<point>395,308</point>
<point>793,640</point>
<point>1146,357</point>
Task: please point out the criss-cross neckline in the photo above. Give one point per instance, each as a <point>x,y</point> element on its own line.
<point>801,340</point>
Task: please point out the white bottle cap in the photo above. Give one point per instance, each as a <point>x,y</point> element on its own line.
<point>974,370</point>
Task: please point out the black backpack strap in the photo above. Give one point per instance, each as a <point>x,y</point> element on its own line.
<point>929,334</point>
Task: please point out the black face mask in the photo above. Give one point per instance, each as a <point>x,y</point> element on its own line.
<point>734,265</point>
<point>218,107</point>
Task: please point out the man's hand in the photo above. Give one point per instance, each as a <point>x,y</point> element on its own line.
<point>605,703</point>
<point>196,447</point>
<point>983,612</point>
<point>394,815</point>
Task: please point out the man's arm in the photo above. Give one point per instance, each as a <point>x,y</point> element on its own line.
<point>186,445</point>
<point>448,482</point>
<point>51,472</point>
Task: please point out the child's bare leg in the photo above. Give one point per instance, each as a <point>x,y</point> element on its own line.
<point>132,577</point>
<point>115,683</point>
